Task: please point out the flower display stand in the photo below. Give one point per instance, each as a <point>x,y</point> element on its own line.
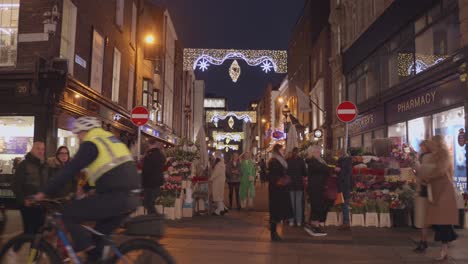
<point>372,219</point>
<point>159,209</point>
<point>399,217</point>
<point>357,220</point>
<point>178,208</point>
<point>187,212</point>
<point>169,213</point>
<point>332,219</point>
<point>385,220</point>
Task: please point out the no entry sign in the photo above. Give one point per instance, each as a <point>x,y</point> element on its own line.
<point>140,116</point>
<point>346,111</point>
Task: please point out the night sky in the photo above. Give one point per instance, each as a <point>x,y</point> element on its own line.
<point>241,24</point>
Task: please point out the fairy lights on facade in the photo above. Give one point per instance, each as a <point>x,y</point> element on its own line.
<point>214,116</point>
<point>406,63</point>
<point>268,59</point>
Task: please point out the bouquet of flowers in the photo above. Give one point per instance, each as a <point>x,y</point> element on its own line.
<point>383,206</point>
<point>357,207</point>
<point>371,206</point>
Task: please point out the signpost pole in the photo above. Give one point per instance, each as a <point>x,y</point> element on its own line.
<point>346,140</point>
<point>139,143</point>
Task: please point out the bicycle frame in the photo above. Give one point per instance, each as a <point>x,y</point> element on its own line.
<point>56,223</point>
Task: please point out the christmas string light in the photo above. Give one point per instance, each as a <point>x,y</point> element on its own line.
<point>246,116</point>
<point>232,136</point>
<point>422,62</point>
<point>269,59</point>
<point>234,71</point>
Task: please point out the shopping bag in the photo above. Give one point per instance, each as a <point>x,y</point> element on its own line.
<point>339,199</point>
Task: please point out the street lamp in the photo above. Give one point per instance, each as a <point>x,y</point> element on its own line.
<point>149,39</point>
<point>263,120</point>
<point>280,99</point>
<point>150,49</point>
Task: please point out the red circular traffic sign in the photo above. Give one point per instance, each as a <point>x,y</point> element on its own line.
<point>140,116</point>
<point>346,111</point>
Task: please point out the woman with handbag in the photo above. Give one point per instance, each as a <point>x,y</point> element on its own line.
<point>297,171</point>
<point>420,201</point>
<point>278,193</point>
<point>436,172</point>
<point>318,173</point>
<point>247,181</point>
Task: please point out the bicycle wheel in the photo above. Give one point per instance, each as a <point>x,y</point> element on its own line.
<point>142,251</point>
<point>18,249</point>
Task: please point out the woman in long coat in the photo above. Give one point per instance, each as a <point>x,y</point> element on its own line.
<point>278,192</point>
<point>218,179</point>
<point>317,176</point>
<point>233,174</point>
<point>437,172</point>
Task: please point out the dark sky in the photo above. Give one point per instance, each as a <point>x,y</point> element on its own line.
<point>241,24</point>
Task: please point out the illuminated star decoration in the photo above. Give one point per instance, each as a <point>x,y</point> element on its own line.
<point>203,65</point>
<point>266,66</point>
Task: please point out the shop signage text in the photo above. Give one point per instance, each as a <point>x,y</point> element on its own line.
<point>416,102</point>
<point>367,122</point>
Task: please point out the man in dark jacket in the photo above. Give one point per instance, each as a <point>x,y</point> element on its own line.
<point>152,175</point>
<point>30,177</point>
<point>345,164</point>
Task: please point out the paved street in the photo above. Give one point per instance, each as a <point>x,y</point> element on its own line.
<point>243,237</point>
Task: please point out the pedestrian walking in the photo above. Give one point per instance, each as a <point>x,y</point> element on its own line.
<point>317,177</point>
<point>345,172</point>
<point>247,184</point>
<point>278,194</point>
<point>233,175</point>
<point>152,175</point>
<point>218,179</point>
<point>263,171</point>
<point>421,199</point>
<point>436,172</point>
<point>30,177</point>
<point>297,171</point>
<point>55,164</point>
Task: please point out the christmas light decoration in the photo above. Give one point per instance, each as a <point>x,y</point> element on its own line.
<point>406,64</point>
<point>220,146</point>
<point>231,122</point>
<point>213,116</point>
<point>269,59</point>
<point>232,136</point>
<point>234,71</point>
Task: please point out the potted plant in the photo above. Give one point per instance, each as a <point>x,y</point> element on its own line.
<point>372,218</point>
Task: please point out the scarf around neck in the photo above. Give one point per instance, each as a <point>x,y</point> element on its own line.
<point>280,159</point>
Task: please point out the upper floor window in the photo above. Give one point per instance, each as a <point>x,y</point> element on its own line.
<point>67,38</point>
<point>116,76</point>
<point>119,12</point>
<point>9,12</point>
<point>97,62</point>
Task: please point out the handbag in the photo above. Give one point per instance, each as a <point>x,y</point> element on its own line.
<point>339,199</point>
<point>284,181</point>
<point>331,190</point>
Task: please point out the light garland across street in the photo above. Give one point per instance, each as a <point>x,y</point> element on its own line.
<point>213,116</point>
<point>232,136</point>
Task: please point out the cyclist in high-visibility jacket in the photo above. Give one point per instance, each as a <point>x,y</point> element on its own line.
<point>110,169</point>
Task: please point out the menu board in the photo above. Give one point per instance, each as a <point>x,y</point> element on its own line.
<point>15,145</point>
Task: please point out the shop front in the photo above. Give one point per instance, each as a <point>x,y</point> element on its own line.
<point>366,127</point>
<point>437,109</point>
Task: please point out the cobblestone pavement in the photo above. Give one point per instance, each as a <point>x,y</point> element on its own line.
<point>243,237</point>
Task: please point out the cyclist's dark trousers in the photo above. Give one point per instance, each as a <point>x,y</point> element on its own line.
<point>150,196</point>
<point>33,219</point>
<point>102,208</point>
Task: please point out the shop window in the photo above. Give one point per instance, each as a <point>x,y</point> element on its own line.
<point>361,89</point>
<point>9,12</point>
<point>419,129</point>
<point>97,62</point>
<point>448,124</point>
<point>379,133</point>
<point>397,133</point>
<point>352,92</point>
<point>68,139</point>
<point>67,38</point>
<point>356,141</point>
<point>16,139</point>
<point>116,76</point>
<point>367,144</point>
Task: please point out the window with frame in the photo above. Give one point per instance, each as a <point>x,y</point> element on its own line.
<point>133,29</point>
<point>146,89</point>
<point>67,37</point>
<point>97,62</point>
<point>9,13</point>
<point>116,75</point>
<point>119,12</point>
<point>131,85</point>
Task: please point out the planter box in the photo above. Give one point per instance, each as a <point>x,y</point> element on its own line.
<point>187,212</point>
<point>399,217</point>
<point>169,213</point>
<point>372,219</point>
<point>357,220</point>
<point>178,208</point>
<point>159,209</point>
<point>384,220</point>
<point>332,219</point>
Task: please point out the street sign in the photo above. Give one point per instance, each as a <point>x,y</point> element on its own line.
<point>140,116</point>
<point>346,111</point>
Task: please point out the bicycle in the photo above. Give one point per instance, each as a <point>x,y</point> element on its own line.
<point>41,251</point>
